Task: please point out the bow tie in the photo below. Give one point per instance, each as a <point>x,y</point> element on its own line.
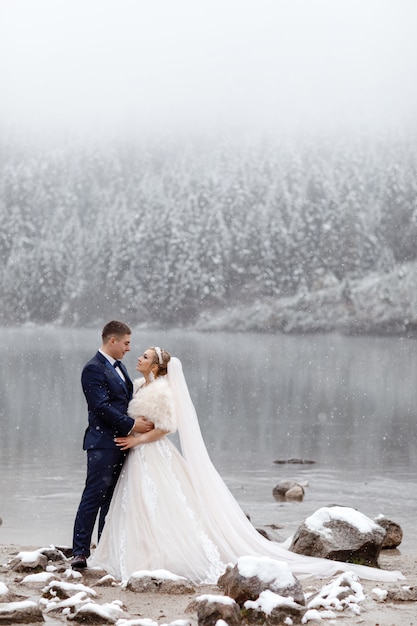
<point>117,364</point>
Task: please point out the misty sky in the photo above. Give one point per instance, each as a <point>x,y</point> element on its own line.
<point>181,64</point>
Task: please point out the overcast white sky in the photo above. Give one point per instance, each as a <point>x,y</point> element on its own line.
<point>178,64</point>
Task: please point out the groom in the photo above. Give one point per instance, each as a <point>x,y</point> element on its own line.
<point>108,390</point>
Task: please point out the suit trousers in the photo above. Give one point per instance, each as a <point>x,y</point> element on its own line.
<point>103,470</point>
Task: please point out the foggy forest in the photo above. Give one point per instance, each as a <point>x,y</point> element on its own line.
<point>186,164</point>
<point>168,228</point>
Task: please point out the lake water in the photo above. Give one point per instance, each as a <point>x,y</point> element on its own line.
<point>348,404</point>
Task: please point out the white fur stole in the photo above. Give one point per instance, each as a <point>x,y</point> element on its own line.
<point>155,402</point>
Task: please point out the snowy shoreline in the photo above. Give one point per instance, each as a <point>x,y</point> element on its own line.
<point>378,305</point>
<point>165,608</point>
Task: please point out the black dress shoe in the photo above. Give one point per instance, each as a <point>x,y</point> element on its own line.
<point>79,561</point>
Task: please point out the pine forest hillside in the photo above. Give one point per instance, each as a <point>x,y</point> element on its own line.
<point>206,231</point>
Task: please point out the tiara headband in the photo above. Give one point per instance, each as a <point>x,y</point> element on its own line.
<point>159,354</point>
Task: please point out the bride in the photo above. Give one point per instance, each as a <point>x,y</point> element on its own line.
<point>174,512</point>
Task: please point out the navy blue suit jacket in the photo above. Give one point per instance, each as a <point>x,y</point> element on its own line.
<point>107,398</point>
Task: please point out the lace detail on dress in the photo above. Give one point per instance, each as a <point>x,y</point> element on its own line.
<point>122,556</point>
<point>216,566</point>
<point>166,453</point>
<point>164,449</point>
<point>150,492</point>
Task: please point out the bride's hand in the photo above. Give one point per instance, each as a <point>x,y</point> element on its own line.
<point>142,425</point>
<point>124,443</point>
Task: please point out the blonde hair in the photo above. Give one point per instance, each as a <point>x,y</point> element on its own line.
<point>161,355</point>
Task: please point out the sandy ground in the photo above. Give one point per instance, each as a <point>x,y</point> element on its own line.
<point>164,609</point>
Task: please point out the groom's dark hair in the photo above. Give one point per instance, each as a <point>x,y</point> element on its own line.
<point>115,329</point>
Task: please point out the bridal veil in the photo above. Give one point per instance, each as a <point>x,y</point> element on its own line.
<point>230,529</point>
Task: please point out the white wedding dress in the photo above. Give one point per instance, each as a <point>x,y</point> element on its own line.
<point>175,513</point>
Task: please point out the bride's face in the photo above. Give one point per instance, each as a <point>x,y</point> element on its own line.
<point>146,362</point>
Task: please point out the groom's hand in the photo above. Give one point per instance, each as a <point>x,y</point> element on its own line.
<point>142,425</point>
